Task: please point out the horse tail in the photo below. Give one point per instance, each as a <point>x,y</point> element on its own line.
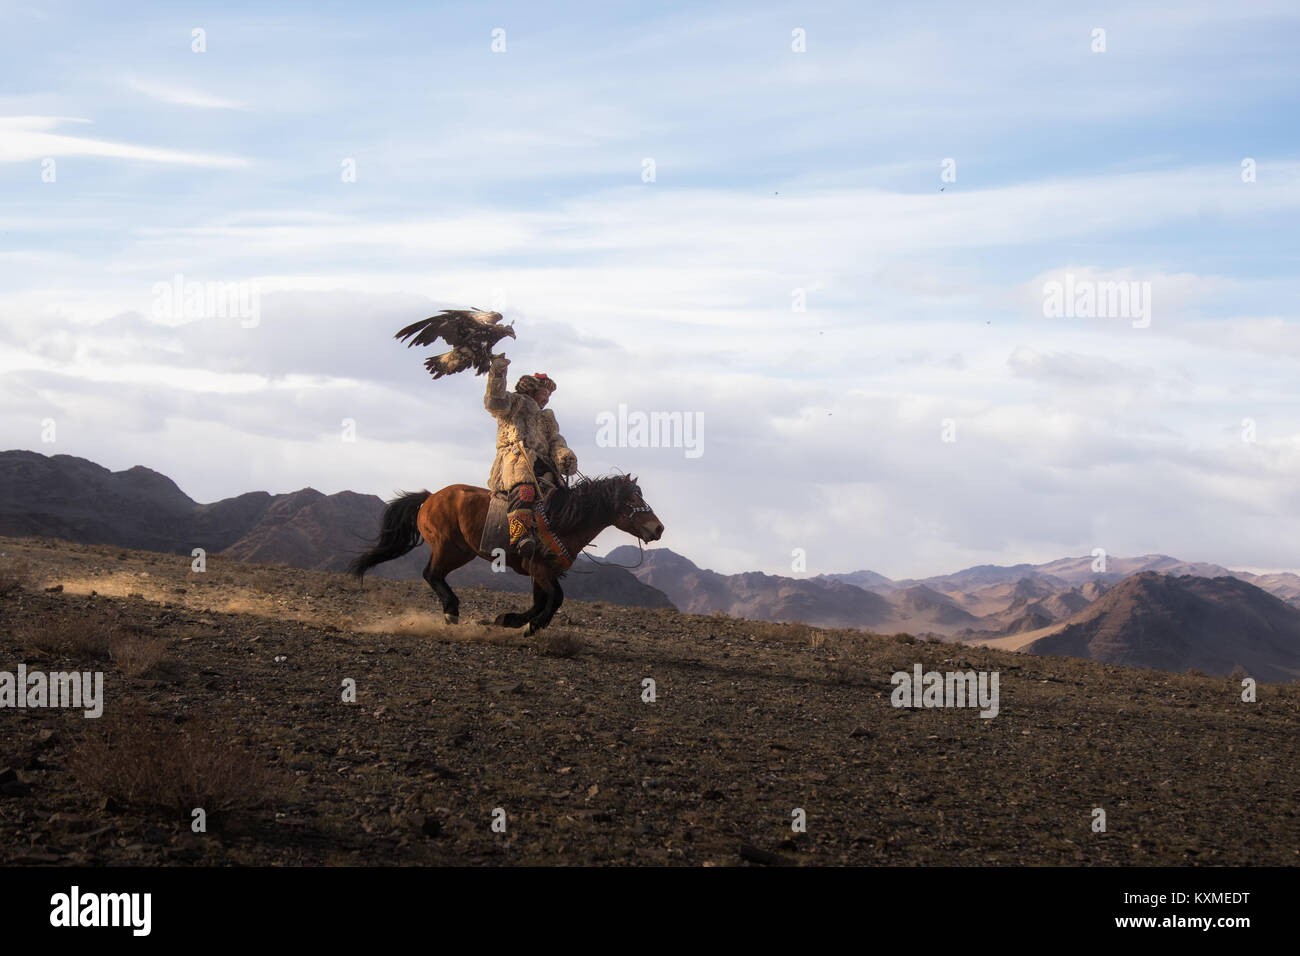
<point>399,534</point>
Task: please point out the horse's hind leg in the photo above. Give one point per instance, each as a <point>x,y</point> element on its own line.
<point>450,603</point>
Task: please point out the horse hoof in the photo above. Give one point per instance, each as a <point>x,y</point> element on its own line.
<point>451,618</point>
<point>500,620</point>
<point>529,631</point>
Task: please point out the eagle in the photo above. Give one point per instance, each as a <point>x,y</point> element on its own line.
<point>471,333</point>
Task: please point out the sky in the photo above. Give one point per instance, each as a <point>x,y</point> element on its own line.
<point>827,234</point>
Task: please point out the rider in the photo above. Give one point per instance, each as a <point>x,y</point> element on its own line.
<point>530,450</point>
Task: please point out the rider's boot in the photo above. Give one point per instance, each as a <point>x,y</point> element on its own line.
<point>523,521</point>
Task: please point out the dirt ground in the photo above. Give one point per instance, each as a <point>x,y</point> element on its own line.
<point>750,722</point>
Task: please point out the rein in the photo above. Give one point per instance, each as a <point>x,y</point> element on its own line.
<point>609,564</point>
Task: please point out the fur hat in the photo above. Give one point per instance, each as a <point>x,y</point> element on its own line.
<point>535,382</point>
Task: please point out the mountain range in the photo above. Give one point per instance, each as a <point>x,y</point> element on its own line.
<point>1150,611</point>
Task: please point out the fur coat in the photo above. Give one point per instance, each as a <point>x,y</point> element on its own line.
<point>524,433</point>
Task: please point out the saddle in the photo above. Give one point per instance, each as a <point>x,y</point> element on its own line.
<point>496,531</point>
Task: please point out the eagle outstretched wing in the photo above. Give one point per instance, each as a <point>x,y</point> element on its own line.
<point>471,333</point>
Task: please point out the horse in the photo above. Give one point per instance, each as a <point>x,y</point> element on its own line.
<point>451,522</point>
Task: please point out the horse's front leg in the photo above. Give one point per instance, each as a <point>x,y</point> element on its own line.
<point>521,618</point>
<point>515,618</point>
<point>547,597</point>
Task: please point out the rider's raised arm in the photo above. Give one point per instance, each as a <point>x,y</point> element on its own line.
<point>497,399</point>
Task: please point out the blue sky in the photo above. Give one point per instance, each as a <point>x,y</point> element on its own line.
<point>515,178</point>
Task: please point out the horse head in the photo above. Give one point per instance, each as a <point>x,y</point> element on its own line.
<point>632,514</point>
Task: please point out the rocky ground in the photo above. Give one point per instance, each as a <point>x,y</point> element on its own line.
<point>228,684</point>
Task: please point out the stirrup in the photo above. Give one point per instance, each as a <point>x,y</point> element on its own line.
<point>527,547</point>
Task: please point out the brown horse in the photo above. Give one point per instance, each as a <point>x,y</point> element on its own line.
<point>451,521</point>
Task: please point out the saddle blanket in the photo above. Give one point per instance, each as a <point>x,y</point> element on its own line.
<point>496,529</point>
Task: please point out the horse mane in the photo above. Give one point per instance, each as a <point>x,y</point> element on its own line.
<point>569,508</point>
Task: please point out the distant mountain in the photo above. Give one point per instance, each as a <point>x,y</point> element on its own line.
<point>1180,623</point>
<point>1174,621</point>
<point>981,576</point>
<point>1077,571</point>
<point>867,580</point>
<point>823,601</point>
<point>764,597</point>
<point>924,608</point>
<point>1035,604</point>
<point>78,500</point>
<point>990,590</point>
<point>1280,584</point>
<point>61,496</point>
<point>309,529</point>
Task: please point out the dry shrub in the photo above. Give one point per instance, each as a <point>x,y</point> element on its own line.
<point>74,637</point>
<point>142,760</point>
<point>137,655</point>
<point>14,576</point>
<point>778,632</point>
<point>559,642</point>
<point>842,672</point>
<point>839,641</point>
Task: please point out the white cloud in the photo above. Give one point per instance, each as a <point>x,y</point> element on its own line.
<point>28,138</point>
<point>170,92</point>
